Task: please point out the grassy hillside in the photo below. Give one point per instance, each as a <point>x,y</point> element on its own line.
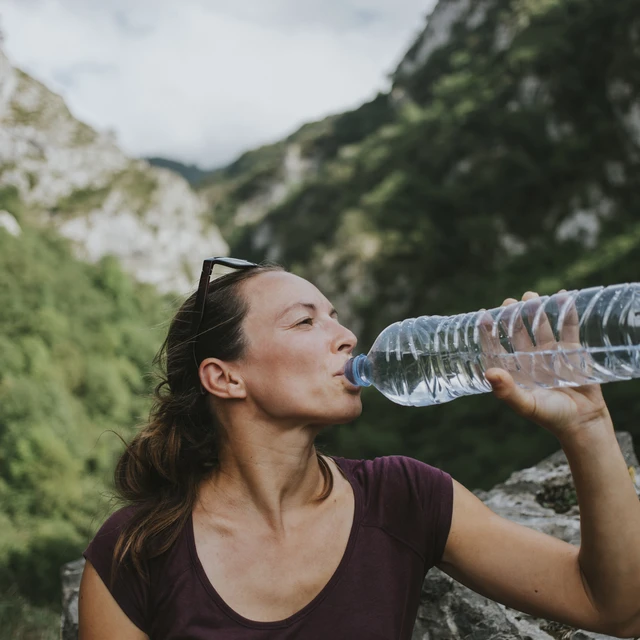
<point>250,179</point>
<point>76,343</point>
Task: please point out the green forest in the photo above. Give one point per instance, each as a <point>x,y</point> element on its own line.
<point>76,345</point>
<point>453,191</point>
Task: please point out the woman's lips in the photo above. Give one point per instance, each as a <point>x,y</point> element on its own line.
<point>348,382</point>
<point>341,371</point>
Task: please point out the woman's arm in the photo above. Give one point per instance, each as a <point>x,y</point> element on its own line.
<point>99,616</point>
<point>595,586</point>
<point>609,524</point>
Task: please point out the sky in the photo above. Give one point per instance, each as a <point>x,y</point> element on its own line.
<point>201,81</point>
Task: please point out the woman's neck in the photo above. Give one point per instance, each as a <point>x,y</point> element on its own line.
<point>266,473</point>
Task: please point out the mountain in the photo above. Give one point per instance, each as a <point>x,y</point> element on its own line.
<point>243,193</point>
<point>90,240</point>
<point>190,172</point>
<point>81,183</point>
<point>76,345</point>
<point>504,158</point>
<point>520,119</point>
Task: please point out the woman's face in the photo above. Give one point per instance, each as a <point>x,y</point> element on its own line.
<point>296,351</point>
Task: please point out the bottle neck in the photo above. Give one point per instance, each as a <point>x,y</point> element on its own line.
<point>358,371</point>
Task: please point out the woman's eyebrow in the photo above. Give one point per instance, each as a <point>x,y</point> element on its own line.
<point>307,305</point>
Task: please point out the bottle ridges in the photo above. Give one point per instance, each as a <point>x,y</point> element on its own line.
<point>567,339</point>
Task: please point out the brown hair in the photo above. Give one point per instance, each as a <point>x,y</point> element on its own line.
<point>162,467</point>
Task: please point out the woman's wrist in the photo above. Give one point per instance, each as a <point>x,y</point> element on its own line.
<point>588,433</point>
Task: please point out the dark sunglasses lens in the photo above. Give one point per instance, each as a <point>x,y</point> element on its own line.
<point>236,262</point>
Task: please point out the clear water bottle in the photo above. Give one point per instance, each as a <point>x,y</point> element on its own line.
<point>565,340</point>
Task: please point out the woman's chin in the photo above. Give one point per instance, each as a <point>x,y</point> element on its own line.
<point>342,415</point>
<point>352,412</point>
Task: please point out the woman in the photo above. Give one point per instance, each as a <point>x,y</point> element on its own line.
<point>237,528</point>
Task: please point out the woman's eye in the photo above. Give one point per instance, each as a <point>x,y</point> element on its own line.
<point>305,321</point>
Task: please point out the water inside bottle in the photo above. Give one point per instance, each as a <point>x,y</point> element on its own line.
<point>431,378</point>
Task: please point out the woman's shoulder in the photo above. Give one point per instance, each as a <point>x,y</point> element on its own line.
<point>396,469</point>
<point>408,498</point>
<point>114,523</point>
<point>102,546</point>
<point>159,550</point>
<point>394,486</point>
<point>128,588</point>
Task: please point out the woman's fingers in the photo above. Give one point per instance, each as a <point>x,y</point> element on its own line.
<point>569,322</point>
<point>525,296</point>
<point>512,324</point>
<point>488,339</point>
<point>524,325</point>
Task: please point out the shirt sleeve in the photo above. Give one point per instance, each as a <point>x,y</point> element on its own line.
<point>414,500</point>
<point>129,590</point>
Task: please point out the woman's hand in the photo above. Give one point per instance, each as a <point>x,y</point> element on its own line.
<point>563,411</point>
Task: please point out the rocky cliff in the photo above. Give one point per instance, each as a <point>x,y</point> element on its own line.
<point>79,181</point>
<point>512,127</point>
<point>504,158</point>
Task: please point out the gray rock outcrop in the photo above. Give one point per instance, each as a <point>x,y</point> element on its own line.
<point>540,497</point>
<point>79,181</point>
<point>543,498</point>
<point>70,574</point>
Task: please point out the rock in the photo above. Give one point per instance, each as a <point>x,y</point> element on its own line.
<point>538,497</point>
<point>449,610</point>
<point>70,575</point>
<point>444,16</point>
<point>294,169</point>
<point>9,224</point>
<point>79,181</point>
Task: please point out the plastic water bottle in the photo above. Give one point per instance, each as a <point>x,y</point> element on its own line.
<point>565,340</point>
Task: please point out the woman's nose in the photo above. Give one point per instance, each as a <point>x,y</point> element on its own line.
<point>346,340</point>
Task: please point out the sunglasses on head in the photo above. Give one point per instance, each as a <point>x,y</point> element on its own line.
<point>203,289</point>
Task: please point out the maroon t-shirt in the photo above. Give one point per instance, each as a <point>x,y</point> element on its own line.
<point>401,522</point>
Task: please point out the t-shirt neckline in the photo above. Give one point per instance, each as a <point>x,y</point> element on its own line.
<point>255,624</point>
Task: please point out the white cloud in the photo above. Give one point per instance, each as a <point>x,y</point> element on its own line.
<point>203,80</point>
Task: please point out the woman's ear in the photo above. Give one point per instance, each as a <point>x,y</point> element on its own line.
<point>220,379</point>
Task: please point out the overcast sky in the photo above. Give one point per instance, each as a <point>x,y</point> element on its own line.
<point>203,80</point>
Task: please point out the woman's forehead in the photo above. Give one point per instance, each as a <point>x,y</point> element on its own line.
<point>273,292</point>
